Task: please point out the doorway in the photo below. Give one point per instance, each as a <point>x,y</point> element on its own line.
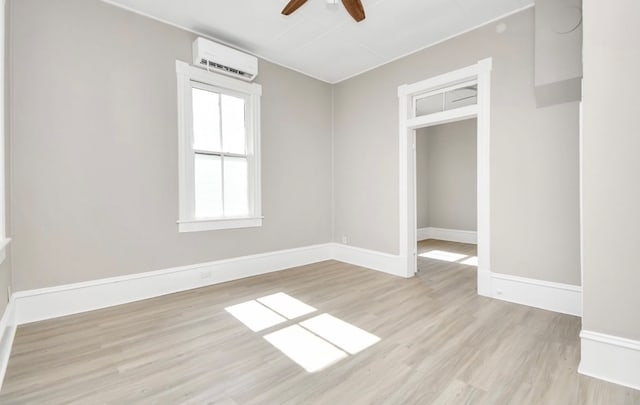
<point>446,198</point>
<point>428,103</point>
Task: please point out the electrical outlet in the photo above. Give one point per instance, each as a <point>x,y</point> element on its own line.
<point>344,240</point>
<point>205,274</point>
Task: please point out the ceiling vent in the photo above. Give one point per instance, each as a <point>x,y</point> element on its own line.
<point>222,59</point>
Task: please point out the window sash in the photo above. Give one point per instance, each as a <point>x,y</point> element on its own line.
<point>190,77</point>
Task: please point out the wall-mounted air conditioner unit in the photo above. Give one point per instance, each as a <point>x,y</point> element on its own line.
<point>222,59</point>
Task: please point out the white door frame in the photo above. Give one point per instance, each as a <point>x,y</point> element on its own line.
<point>481,72</point>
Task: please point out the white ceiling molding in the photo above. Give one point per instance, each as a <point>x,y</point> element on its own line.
<point>324,42</point>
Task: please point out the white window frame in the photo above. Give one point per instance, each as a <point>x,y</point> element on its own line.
<point>189,77</point>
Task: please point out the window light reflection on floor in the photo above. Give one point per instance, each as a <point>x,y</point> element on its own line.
<point>471,261</point>
<point>308,350</point>
<point>286,305</point>
<point>314,343</point>
<point>442,255</point>
<point>349,338</point>
<point>255,316</point>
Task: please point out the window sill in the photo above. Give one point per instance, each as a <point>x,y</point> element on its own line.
<point>199,225</point>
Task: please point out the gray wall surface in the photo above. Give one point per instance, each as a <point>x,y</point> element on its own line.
<point>534,155</point>
<point>611,189</point>
<point>446,181</point>
<point>94,149</point>
<point>558,51</point>
<point>5,267</point>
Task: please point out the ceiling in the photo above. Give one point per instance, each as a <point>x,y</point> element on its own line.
<point>323,41</point>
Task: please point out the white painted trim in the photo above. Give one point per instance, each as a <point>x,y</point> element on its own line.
<point>444,117</point>
<point>53,302</point>
<point>423,234</point>
<point>480,72</point>
<point>610,358</point>
<point>452,235</point>
<point>384,262</point>
<point>47,303</point>
<point>556,297</point>
<point>7,333</point>
<point>189,77</point>
<point>485,67</point>
<point>198,225</point>
<point>436,83</point>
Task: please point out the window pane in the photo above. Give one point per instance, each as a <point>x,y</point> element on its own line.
<point>461,97</point>
<point>236,201</point>
<point>206,120</point>
<point>233,131</point>
<point>429,105</point>
<point>208,186</point>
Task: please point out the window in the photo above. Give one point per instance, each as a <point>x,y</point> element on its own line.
<point>459,95</point>
<point>219,133</point>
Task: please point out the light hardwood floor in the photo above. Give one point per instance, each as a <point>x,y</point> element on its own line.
<point>440,344</point>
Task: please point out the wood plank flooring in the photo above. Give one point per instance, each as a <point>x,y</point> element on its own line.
<point>439,344</point>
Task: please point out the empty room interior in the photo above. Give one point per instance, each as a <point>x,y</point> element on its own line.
<point>319,202</point>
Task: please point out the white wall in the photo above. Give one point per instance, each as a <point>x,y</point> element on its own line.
<point>446,182</point>
<point>95,150</point>
<point>534,155</point>
<point>611,168</point>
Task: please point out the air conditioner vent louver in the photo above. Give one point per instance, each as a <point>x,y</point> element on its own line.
<point>222,59</point>
<point>216,66</point>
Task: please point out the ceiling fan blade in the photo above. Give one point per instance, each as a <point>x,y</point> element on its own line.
<point>292,6</point>
<point>355,8</point>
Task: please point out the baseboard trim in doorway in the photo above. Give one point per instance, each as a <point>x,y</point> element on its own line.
<point>556,297</point>
<point>384,262</point>
<point>7,333</point>
<point>451,235</point>
<point>610,358</point>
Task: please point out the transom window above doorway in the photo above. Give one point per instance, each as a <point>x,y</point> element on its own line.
<point>448,98</point>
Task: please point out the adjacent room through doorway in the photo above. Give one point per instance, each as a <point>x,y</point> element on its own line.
<point>446,202</point>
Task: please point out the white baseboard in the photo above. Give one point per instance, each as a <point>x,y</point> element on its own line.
<point>384,262</point>
<point>54,302</point>
<point>452,235</point>
<point>423,234</point>
<point>48,303</point>
<point>610,358</point>
<point>556,297</point>
<point>7,333</point>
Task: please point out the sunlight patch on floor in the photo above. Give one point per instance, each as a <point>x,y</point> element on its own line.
<point>342,334</point>
<point>308,350</point>
<point>443,255</point>
<point>314,343</point>
<point>286,305</point>
<point>471,261</point>
<point>255,316</point>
